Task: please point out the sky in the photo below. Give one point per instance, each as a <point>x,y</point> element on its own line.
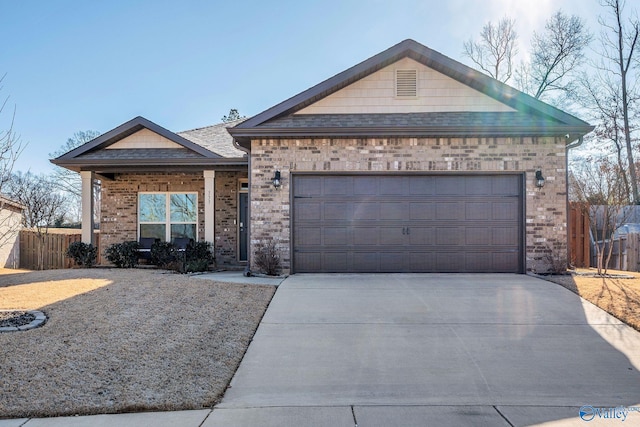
<point>76,65</point>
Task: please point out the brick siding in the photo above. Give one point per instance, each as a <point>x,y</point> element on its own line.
<point>545,216</point>
<point>119,207</point>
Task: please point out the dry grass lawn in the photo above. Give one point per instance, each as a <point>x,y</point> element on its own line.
<point>617,296</point>
<point>119,340</point>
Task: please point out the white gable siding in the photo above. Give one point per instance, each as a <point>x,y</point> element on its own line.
<point>376,94</point>
<point>143,139</point>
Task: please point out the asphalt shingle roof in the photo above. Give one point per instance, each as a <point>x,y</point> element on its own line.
<point>215,138</point>
<point>141,153</point>
<point>440,119</point>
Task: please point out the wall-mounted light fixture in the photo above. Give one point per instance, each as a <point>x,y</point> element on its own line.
<point>277,180</point>
<point>539,179</point>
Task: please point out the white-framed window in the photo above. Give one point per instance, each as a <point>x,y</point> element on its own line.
<point>167,216</point>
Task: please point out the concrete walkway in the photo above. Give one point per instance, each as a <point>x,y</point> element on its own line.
<point>417,349</point>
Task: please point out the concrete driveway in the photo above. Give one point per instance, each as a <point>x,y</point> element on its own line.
<point>432,349</point>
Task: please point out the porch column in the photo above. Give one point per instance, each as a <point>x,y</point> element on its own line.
<point>209,206</point>
<point>87,206</point>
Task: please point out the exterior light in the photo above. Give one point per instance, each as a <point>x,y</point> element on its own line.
<point>539,179</point>
<point>276,181</point>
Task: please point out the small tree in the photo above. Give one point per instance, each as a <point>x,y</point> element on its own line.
<point>599,189</point>
<point>43,204</point>
<point>232,116</point>
<point>495,50</point>
<point>10,149</point>
<point>556,53</point>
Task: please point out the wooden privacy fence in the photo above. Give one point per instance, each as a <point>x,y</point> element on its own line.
<point>625,255</point>
<point>579,237</point>
<point>56,243</point>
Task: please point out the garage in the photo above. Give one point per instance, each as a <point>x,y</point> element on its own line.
<point>407,222</point>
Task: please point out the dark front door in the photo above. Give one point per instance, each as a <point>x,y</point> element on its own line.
<point>243,216</point>
<point>407,223</point>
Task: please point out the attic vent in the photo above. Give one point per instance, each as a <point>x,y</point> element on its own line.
<point>407,83</point>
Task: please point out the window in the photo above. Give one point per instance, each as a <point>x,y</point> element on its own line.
<point>167,216</point>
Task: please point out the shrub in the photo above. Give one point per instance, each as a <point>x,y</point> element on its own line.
<point>267,258</point>
<point>84,254</point>
<point>163,254</point>
<point>198,257</point>
<point>123,255</point>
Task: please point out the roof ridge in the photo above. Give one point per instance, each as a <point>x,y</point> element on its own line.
<point>221,124</point>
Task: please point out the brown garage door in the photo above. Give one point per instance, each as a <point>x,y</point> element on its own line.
<point>407,223</point>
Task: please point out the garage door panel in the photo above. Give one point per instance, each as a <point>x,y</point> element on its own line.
<point>422,185</point>
<point>312,261</point>
<point>335,236</point>
<point>337,185</point>
<point>312,186</point>
<point>335,262</point>
<point>393,262</point>
<point>505,236</point>
<point>506,185</point>
<point>478,236</point>
<point>478,211</point>
<point>365,236</point>
<point>364,186</point>
<point>336,211</point>
<point>391,236</point>
<point>450,185</point>
<point>449,211</point>
<point>421,235</point>
<point>392,211</point>
<point>479,261</point>
<point>307,210</point>
<point>507,211</point>
<point>367,261</point>
<point>422,210</point>
<point>365,211</point>
<point>450,236</point>
<point>392,186</point>
<point>420,223</point>
<point>478,186</point>
<point>308,236</point>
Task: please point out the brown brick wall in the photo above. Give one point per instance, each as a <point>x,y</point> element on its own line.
<point>119,206</point>
<point>545,208</point>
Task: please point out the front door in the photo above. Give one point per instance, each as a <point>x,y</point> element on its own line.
<point>243,216</point>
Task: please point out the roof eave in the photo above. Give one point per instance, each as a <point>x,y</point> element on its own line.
<point>243,136</point>
<point>91,164</point>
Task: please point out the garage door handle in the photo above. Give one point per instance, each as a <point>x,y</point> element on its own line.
<point>405,230</point>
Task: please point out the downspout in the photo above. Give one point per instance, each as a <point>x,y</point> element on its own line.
<point>569,146</point>
<point>247,269</point>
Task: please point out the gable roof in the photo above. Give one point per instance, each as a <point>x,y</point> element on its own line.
<point>192,151</point>
<point>279,120</point>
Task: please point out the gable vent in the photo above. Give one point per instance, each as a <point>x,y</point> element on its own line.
<point>407,83</point>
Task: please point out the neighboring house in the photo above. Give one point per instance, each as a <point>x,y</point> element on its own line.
<point>408,161</point>
<point>10,226</point>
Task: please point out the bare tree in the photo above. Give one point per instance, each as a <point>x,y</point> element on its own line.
<point>611,91</point>
<point>43,204</point>
<point>598,188</point>
<point>69,181</point>
<point>556,53</point>
<point>10,149</point>
<point>495,50</point>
